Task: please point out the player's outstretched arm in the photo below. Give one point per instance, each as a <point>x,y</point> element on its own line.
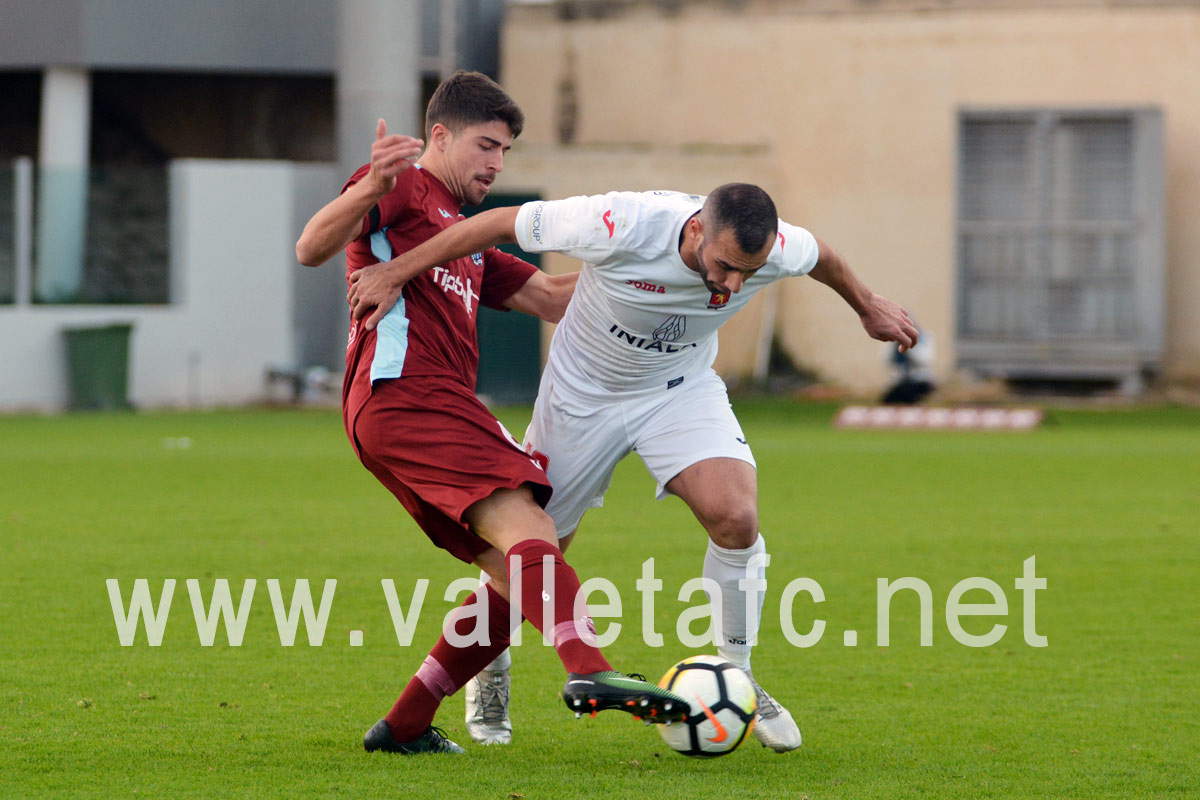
<point>544,296</point>
<point>378,286</point>
<point>340,221</point>
<point>881,318</point>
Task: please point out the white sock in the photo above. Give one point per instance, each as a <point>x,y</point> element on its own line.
<point>503,661</point>
<point>739,620</point>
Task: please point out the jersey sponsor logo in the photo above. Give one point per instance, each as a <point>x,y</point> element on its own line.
<point>642,343</point>
<point>450,283</point>
<point>672,329</point>
<point>718,299</point>
<point>646,286</point>
<point>535,223</point>
<point>608,223</point>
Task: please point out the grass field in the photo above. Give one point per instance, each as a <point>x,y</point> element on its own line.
<point>1109,503</point>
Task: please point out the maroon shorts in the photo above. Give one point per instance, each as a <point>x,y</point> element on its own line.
<point>438,450</point>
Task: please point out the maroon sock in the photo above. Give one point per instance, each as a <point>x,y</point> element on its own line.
<point>573,640</point>
<point>448,668</point>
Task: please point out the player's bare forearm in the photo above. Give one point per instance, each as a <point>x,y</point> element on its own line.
<point>881,318</point>
<point>340,221</point>
<point>833,271</point>
<point>336,225</point>
<point>379,286</point>
<point>473,235</point>
<point>545,296</point>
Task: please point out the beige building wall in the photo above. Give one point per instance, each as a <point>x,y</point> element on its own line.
<point>849,119</point>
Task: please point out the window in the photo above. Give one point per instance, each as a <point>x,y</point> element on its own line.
<point>1060,242</point>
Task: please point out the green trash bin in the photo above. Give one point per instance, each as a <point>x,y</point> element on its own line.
<point>98,360</point>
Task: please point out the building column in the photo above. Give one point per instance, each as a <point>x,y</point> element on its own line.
<point>62,183</point>
<point>378,74</point>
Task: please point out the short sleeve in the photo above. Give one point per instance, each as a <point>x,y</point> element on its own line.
<point>590,228</point>
<point>795,250</point>
<point>387,212</point>
<point>503,276</point>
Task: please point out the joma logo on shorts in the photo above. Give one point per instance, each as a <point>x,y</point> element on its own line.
<point>642,343</point>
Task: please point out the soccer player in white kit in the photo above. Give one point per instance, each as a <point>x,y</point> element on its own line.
<point>630,369</point>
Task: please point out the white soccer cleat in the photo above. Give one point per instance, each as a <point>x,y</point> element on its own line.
<point>487,707</point>
<point>773,725</point>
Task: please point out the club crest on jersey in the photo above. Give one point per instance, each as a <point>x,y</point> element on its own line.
<point>477,259</point>
<point>718,299</point>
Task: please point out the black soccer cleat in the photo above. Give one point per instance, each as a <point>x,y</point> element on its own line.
<point>600,691</point>
<point>433,740</point>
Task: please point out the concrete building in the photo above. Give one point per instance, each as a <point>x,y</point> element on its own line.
<point>157,161</point>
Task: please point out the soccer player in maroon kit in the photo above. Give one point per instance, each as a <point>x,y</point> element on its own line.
<point>412,416</point>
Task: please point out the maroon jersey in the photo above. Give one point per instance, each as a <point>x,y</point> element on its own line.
<point>430,332</point>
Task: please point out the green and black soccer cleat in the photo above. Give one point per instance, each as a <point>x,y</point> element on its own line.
<point>433,740</point>
<point>600,691</point>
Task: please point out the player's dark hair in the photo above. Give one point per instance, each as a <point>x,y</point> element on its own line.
<point>472,98</point>
<point>746,210</point>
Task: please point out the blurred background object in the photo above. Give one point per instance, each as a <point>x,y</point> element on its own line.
<point>912,372</point>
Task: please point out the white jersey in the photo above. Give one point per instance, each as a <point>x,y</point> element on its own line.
<point>640,318</point>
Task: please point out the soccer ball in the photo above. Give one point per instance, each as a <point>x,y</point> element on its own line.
<point>723,707</point>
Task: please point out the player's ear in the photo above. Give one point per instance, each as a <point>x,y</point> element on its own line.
<point>440,136</point>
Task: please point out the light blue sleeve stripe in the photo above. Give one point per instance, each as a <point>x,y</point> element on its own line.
<point>391,335</point>
<point>381,248</point>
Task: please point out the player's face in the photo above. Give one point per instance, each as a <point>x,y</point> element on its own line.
<point>474,157</point>
<point>725,267</point>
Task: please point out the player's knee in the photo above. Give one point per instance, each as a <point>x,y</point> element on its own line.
<point>735,527</point>
<point>542,527</point>
<point>532,523</point>
<point>509,516</point>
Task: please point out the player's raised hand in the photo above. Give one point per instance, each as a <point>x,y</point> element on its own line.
<point>889,322</point>
<point>391,155</point>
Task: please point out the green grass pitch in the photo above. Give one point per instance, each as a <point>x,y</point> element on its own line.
<point>1107,502</point>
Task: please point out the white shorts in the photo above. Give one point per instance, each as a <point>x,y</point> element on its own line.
<point>585,437</point>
